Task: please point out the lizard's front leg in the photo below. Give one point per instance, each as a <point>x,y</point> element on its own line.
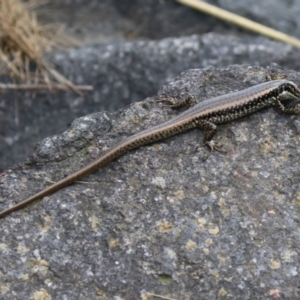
<point>187,102</point>
<point>210,130</point>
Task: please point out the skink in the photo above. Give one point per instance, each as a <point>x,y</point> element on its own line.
<point>205,115</point>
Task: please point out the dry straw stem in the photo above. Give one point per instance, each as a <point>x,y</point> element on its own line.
<point>23,43</point>
<point>240,21</point>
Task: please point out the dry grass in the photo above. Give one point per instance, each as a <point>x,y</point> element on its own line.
<point>23,43</point>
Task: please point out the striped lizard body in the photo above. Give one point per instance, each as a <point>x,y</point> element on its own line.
<point>205,115</point>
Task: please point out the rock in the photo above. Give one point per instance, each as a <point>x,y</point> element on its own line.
<point>159,219</point>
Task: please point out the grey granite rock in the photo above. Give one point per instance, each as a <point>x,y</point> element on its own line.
<point>160,219</point>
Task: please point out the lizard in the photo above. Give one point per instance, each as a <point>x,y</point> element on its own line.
<point>205,115</point>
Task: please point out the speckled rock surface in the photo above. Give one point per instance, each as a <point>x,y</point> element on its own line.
<point>159,219</point>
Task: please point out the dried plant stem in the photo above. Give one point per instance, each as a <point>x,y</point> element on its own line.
<point>52,86</point>
<point>241,21</point>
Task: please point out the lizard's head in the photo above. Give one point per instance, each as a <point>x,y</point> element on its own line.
<point>289,91</point>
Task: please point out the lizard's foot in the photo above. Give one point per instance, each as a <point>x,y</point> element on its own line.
<point>297,109</point>
<point>173,102</point>
<point>275,76</point>
<point>188,101</point>
<point>213,147</point>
